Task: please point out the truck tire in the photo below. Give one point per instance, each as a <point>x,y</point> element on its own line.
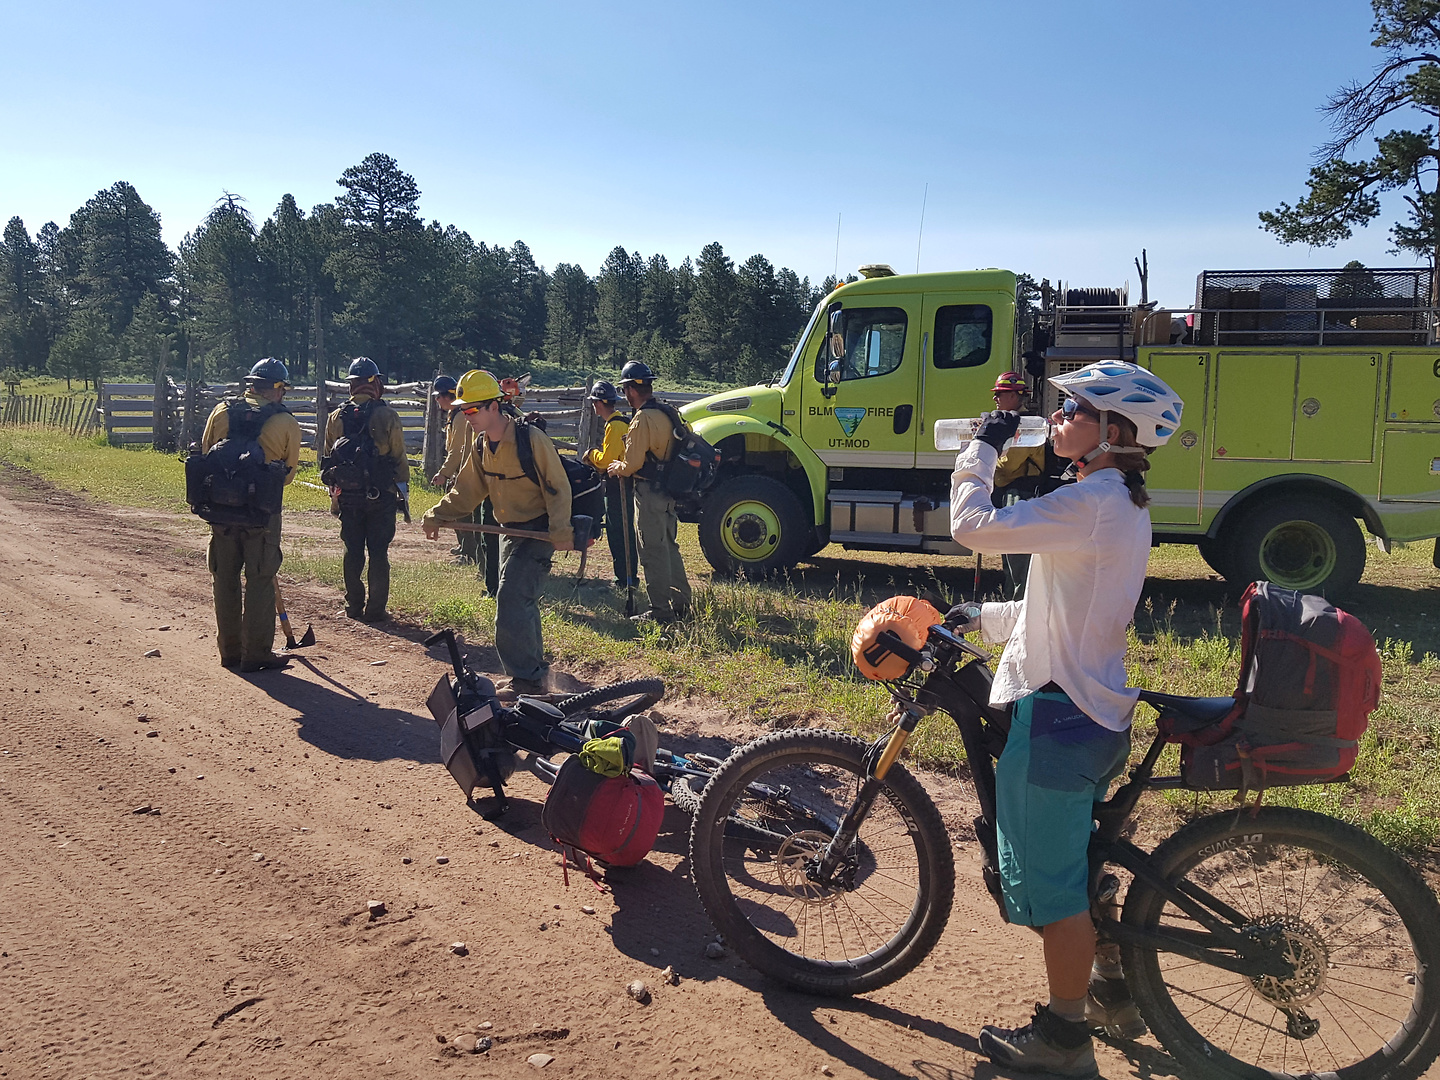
<point>753,526</point>
<point>1216,552</point>
<point>1303,543</point>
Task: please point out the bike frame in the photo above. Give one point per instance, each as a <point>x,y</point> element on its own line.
<point>957,681</point>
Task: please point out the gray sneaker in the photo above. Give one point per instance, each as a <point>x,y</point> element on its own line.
<point>1048,1044</point>
<point>1110,1007</point>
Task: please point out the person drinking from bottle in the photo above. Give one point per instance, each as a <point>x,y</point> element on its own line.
<point>1063,667</point>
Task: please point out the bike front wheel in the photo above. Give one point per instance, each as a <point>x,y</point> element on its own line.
<point>765,819</point>
<point>1360,927</point>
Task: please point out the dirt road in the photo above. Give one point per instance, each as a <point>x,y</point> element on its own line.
<point>224,932</point>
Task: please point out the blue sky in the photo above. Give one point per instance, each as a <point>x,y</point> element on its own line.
<point>1056,138</point>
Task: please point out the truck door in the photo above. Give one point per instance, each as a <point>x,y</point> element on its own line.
<point>869,420</point>
<point>965,345</point>
<point>1177,471</point>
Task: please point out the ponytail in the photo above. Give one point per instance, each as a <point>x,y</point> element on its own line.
<point>1138,458</point>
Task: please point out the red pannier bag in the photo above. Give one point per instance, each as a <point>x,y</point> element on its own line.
<point>615,820</point>
<point>1309,679</point>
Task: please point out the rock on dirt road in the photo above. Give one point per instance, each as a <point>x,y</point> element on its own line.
<point>124,953</point>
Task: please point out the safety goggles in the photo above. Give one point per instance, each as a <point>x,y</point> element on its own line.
<point>1072,409</point>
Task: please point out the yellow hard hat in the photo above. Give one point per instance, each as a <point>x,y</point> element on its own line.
<point>476,388</point>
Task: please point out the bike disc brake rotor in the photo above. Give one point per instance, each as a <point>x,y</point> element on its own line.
<point>1306,951</point>
<point>792,865</point>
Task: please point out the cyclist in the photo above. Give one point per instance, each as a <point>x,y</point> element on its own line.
<point>1064,668</point>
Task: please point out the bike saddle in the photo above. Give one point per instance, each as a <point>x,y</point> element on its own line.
<point>1199,711</point>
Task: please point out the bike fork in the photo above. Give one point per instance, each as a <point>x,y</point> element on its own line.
<point>823,871</point>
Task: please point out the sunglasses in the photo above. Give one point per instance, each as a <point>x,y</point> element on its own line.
<point>1071,409</point>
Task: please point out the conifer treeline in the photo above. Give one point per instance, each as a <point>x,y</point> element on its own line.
<point>104,296</point>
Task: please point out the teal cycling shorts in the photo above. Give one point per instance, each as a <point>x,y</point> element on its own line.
<point>1057,764</point>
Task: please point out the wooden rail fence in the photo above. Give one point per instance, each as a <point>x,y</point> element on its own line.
<point>74,415</point>
<point>129,413</point>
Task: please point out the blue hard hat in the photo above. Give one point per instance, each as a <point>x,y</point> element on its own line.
<point>443,384</point>
<point>270,371</point>
<point>604,391</point>
<point>362,367</point>
<point>636,371</point>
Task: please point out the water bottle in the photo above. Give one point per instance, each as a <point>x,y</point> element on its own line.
<point>954,434</point>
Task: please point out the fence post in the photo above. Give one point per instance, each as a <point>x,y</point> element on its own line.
<point>432,451</point>
<point>322,409</point>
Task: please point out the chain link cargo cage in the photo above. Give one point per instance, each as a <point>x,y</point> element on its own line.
<point>1350,306</point>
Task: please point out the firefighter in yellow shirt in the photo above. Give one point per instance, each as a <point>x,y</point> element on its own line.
<point>619,516</point>
<point>494,471</point>
<point>649,440</point>
<point>368,506</point>
<point>245,623</point>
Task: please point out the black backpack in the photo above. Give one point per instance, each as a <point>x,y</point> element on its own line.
<point>691,468</point>
<point>587,489</point>
<point>354,464</point>
<point>232,483</point>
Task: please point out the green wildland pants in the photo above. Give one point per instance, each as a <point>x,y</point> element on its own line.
<point>366,527</point>
<point>524,564</point>
<point>244,625</point>
<point>665,582</point>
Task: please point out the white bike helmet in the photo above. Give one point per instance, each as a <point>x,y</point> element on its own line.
<point>1131,391</point>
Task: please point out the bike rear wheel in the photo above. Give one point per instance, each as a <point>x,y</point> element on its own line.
<point>768,813</point>
<point>1364,931</point>
<point>634,695</point>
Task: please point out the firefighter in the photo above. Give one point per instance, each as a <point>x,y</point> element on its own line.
<point>619,518</point>
<point>459,441</point>
<point>494,471</point>
<point>245,624</point>
<point>368,507</point>
<point>650,442</point>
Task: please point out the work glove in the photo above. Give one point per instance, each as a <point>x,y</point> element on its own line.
<point>997,428</point>
<point>963,618</point>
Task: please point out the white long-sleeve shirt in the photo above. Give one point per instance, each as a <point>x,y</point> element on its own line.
<point>1091,545</point>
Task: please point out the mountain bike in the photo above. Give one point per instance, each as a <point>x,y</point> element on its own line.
<point>1256,942</point>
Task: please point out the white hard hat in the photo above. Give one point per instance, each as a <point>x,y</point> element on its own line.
<point>1128,389</point>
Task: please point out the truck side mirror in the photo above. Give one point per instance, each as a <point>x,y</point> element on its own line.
<point>832,379</point>
<point>837,335</point>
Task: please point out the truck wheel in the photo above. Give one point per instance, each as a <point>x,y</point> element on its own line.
<point>752,525</point>
<point>1306,544</point>
<point>1216,553</point>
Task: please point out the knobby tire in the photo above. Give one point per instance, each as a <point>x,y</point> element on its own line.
<point>1362,926</point>
<point>834,942</point>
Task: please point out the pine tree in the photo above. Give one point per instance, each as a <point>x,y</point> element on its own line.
<point>24,339</point>
<point>618,294</point>
<point>114,253</point>
<point>1344,193</point>
<point>710,321</point>
<point>570,316</point>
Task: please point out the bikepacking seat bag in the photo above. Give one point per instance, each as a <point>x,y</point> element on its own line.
<point>472,740</point>
<point>693,463</point>
<point>587,487</point>
<point>354,464</point>
<point>614,820</point>
<point>232,483</point>
<point>1309,679</point>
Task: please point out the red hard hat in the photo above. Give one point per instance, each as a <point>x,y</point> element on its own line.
<point>1010,381</point>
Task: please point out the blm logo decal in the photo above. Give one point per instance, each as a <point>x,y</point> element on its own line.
<point>849,420</point>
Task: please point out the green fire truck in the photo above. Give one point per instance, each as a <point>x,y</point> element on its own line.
<point>1312,405</point>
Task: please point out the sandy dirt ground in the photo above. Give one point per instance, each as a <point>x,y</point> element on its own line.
<point>225,933</point>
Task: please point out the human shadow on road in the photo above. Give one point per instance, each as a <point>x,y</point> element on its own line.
<point>811,1018</point>
<point>338,721</point>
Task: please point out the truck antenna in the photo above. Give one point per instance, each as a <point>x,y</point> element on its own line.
<point>923,199</point>
<point>836,274</point>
